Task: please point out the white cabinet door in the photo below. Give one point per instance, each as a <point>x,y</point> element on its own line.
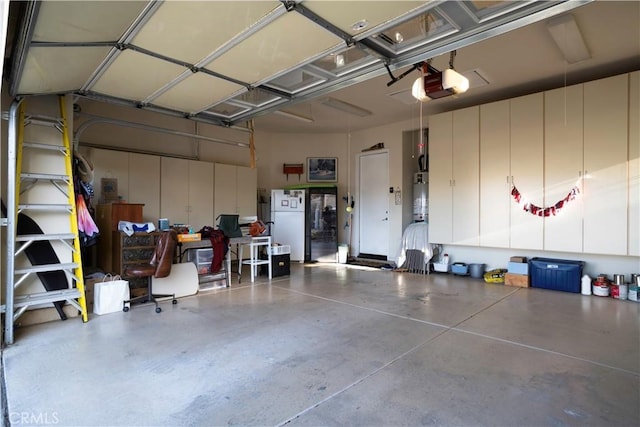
<point>247,191</point>
<point>236,190</point>
<point>144,184</point>
<point>466,176</point>
<point>200,194</point>
<point>634,164</point>
<point>440,178</point>
<point>174,184</point>
<point>527,124</point>
<point>563,146</point>
<point>605,165</point>
<point>110,164</point>
<point>495,187</point>
<point>186,195</point>
<point>225,189</point>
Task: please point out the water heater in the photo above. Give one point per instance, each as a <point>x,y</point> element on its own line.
<point>420,196</point>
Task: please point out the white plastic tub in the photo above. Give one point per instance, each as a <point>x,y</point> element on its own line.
<point>441,267</point>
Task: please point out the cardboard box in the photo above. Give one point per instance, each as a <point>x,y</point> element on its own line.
<point>518,259</point>
<point>518,268</point>
<point>519,280</point>
<point>192,237</point>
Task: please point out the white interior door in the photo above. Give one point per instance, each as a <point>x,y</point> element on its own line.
<point>373,198</point>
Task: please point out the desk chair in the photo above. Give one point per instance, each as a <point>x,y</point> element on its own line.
<point>159,266</point>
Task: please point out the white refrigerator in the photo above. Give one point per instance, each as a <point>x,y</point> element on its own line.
<point>288,215</point>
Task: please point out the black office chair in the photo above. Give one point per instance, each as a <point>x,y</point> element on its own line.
<point>159,266</point>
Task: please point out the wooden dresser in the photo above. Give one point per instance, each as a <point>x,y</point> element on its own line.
<point>135,249</point>
<point>107,218</point>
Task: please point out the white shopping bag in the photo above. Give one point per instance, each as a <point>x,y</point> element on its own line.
<point>110,295</point>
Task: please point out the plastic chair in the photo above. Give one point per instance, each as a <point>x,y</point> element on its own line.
<point>159,266</point>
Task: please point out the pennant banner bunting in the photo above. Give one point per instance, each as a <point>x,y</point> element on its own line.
<point>547,211</point>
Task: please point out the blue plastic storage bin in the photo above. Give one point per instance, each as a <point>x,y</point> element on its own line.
<point>557,274</point>
<point>459,268</point>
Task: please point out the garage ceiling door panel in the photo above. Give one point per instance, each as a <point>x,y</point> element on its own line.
<point>190,31</point>
<point>77,21</point>
<point>345,14</point>
<point>274,49</point>
<point>59,69</point>
<point>135,76</point>
<point>208,58</point>
<point>196,93</point>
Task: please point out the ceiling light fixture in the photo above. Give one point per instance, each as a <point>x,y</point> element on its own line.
<point>345,107</point>
<point>566,35</point>
<point>294,116</point>
<point>339,60</point>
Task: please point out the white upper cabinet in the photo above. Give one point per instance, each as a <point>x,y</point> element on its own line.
<point>144,184</point>
<point>186,195</point>
<point>110,164</point>
<point>224,201</point>
<point>174,184</point>
<point>236,190</point>
<point>247,191</point>
<point>634,164</point>
<point>563,134</point>
<point>605,165</point>
<point>454,166</point>
<point>495,198</point>
<point>527,125</point>
<point>466,176</point>
<point>440,178</point>
<point>200,194</point>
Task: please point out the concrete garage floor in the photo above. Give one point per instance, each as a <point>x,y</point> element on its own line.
<point>337,345</point>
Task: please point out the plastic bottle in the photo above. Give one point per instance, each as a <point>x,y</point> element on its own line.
<point>586,285</point>
<point>445,259</point>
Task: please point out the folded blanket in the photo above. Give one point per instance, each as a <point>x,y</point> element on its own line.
<point>133,227</point>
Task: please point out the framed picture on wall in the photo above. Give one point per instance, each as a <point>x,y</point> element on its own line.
<point>322,169</point>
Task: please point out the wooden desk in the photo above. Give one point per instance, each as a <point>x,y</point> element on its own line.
<point>183,247</point>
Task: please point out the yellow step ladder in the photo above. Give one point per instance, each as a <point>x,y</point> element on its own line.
<point>35,192</point>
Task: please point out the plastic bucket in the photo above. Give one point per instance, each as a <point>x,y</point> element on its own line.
<point>343,250</point>
<point>476,271</point>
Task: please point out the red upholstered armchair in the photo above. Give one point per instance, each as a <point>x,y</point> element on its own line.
<point>159,266</point>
